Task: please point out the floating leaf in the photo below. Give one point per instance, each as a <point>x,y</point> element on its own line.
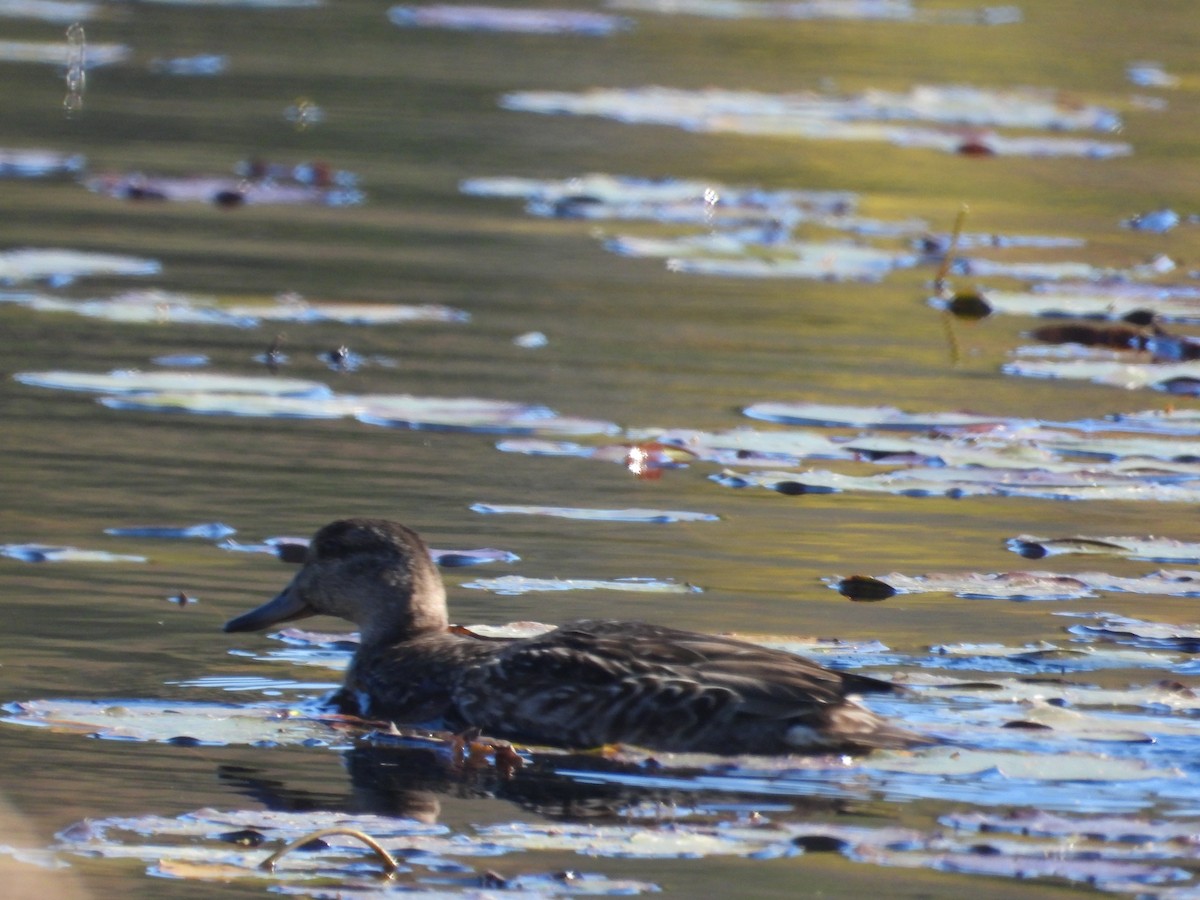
<point>1104,303</point>
<point>1175,378</point>
<point>132,381</point>
<point>519,584</point>
<point>62,12</point>
<point>38,163</point>
<point>204,65</point>
<point>249,4</point>
<point>1150,74</point>
<point>59,54</point>
<point>1035,585</point>
<point>805,10</point>
<point>269,396</point>
<point>1148,548</point>
<point>917,481</point>
<point>47,553</point>
<point>954,761</point>
<point>864,588</point>
<point>64,266</point>
<point>162,722</point>
<point>865,116</point>
<point>1162,695</point>
<point>1120,829</point>
<point>824,261</point>
<point>491,18</point>
<point>334,189</point>
<point>595,515</point>
<point>182,360</point>
<point>211,531</point>
<point>163,307</point>
<point>1154,635</point>
<point>828,415</point>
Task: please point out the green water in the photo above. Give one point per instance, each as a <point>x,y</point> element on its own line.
<point>412,112</point>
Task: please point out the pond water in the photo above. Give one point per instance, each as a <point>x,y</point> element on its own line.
<point>696,319</point>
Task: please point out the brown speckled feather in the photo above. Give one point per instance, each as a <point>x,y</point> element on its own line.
<point>587,683</point>
<point>604,682</point>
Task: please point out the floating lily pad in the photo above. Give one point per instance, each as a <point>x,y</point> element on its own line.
<point>64,266</point>
<point>1154,635</point>
<point>226,191</point>
<point>248,4</point>
<point>1150,74</point>
<point>59,54</point>
<point>866,116</point>
<point>132,381</point>
<point>192,723</point>
<point>824,414</point>
<point>840,10</point>
<point>1039,585</point>
<point>62,12</point>
<point>519,584</point>
<point>1165,305</point>
<point>1148,548</point>
<point>492,18</point>
<point>203,65</point>
<point>38,163</point>
<point>208,531</point>
<point>594,515</point>
<point>1030,767</point>
<point>269,396</point>
<point>47,553</point>
<point>999,482</point>
<point>162,307</point>
<point>1175,378</point>
<point>1161,695</point>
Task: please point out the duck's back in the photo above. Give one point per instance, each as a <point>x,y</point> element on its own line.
<point>596,682</point>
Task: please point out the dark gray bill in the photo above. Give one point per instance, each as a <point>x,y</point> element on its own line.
<point>283,608</point>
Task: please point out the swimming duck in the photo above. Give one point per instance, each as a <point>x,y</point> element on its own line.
<point>584,684</point>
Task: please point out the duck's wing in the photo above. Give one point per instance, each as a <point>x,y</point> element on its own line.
<point>591,683</point>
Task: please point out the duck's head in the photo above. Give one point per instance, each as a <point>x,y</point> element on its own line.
<point>372,572</point>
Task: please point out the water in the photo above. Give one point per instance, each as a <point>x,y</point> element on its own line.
<point>413,112</point>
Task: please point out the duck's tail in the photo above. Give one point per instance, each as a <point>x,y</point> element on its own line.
<point>855,729</point>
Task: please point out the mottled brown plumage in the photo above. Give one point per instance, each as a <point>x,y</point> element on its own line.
<point>586,683</point>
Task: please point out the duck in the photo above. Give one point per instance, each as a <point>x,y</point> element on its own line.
<point>585,684</point>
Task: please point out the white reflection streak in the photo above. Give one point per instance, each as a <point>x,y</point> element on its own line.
<point>76,69</point>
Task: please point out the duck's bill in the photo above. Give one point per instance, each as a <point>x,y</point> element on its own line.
<point>284,608</point>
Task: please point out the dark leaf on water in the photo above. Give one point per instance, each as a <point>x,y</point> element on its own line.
<point>864,588</point>
<point>969,305</point>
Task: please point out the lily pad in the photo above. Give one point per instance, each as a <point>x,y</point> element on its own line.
<point>208,531</point>
<point>212,724</point>
<point>224,190</point>
<point>61,12</point>
<point>1028,767</point>
<point>47,553</point>
<point>132,381</point>
<point>64,266</point>
<point>594,515</point>
<point>163,307</point>
<point>519,584</point>
<point>869,115</point>
<point>1154,635</point>
<point>1038,585</point>
<point>1152,549</point>
<point>1175,378</point>
<point>491,18</point>
<point>60,54</point>
<point>38,163</point>
<point>919,481</point>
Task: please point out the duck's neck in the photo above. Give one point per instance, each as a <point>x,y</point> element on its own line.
<point>424,614</point>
